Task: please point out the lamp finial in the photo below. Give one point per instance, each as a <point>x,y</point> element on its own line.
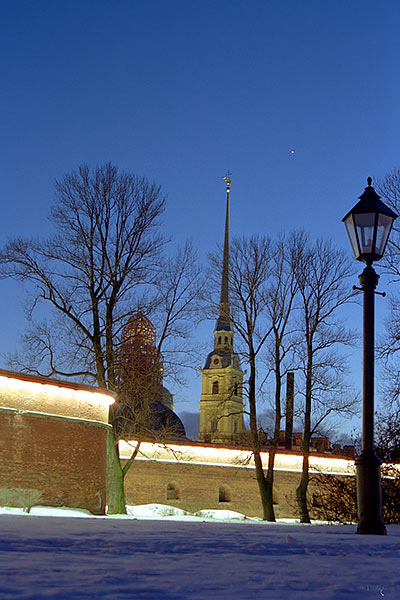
<point>369,180</point>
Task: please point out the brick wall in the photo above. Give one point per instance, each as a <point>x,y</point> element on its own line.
<point>198,471</point>
<point>198,487</point>
<point>52,443</point>
<point>51,461</point>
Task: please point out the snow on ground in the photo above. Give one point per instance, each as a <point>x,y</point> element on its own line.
<point>154,554</point>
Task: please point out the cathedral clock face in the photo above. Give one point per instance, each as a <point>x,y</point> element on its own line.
<point>215,362</point>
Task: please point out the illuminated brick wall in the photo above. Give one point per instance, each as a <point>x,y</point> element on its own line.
<point>53,443</point>
<point>199,486</point>
<point>217,478</point>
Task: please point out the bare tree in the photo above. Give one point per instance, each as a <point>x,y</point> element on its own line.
<point>177,310</point>
<point>143,409</point>
<point>389,188</point>
<point>140,413</point>
<point>102,263</point>
<point>105,246</point>
<point>280,305</point>
<point>250,266</point>
<point>389,343</point>
<point>387,434</point>
<point>322,274</point>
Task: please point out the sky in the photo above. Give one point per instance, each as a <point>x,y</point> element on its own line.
<point>191,558</point>
<point>298,99</point>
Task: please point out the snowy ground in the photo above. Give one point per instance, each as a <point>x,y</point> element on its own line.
<point>153,556</point>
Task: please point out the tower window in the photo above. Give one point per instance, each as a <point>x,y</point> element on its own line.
<point>173,492</point>
<point>226,339</point>
<point>219,339</point>
<point>215,387</point>
<point>235,391</point>
<point>225,494</point>
<point>214,425</point>
<point>234,426</point>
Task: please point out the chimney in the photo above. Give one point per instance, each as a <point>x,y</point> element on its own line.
<point>289,411</point>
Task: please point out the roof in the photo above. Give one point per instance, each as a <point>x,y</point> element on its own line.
<point>226,359</point>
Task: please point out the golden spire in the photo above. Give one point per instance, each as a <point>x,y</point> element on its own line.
<point>223,321</point>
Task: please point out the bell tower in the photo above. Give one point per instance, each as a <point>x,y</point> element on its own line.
<point>221,401</point>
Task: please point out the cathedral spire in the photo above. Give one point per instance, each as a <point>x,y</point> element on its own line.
<point>224,321</point>
<point>221,401</point>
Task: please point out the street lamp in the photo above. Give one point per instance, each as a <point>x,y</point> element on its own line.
<point>368,225</point>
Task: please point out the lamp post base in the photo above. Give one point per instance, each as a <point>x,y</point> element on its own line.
<point>369,496</point>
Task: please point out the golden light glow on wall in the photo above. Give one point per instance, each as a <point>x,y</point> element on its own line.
<point>34,394</point>
<point>215,456</point>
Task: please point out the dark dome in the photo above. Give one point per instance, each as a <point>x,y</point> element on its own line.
<point>152,421</point>
<point>165,418</point>
<point>166,397</point>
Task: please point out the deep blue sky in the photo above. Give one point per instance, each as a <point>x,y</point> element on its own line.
<point>181,91</point>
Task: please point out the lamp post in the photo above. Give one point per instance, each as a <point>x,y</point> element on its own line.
<point>368,225</point>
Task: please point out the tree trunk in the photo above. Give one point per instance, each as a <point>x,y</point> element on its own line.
<point>301,492</point>
<point>110,354</point>
<point>255,440</point>
<point>269,482</point>
<point>97,349</point>
<point>115,479</point>
<point>275,441</point>
<point>262,486</point>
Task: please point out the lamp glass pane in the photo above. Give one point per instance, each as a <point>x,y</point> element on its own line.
<point>365,232</point>
<point>382,234</point>
<point>352,235</point>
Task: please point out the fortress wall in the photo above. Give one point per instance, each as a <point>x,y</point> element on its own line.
<point>198,483</point>
<point>147,482</point>
<point>52,443</point>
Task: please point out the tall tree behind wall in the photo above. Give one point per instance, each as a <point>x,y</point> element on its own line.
<point>250,268</point>
<point>91,272</point>
<point>284,295</point>
<point>322,274</point>
<point>262,291</point>
<point>281,344</point>
<point>102,264</point>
